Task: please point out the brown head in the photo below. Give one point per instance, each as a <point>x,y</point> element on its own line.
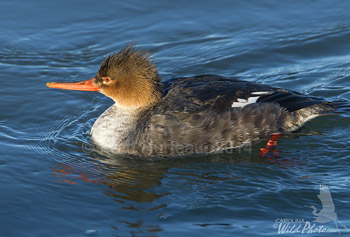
<point>128,77</point>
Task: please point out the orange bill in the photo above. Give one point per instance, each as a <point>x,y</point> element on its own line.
<point>87,85</point>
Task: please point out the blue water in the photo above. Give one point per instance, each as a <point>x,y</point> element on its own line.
<point>53,185</point>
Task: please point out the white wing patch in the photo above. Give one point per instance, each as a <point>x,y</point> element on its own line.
<point>261,92</point>
<point>254,96</point>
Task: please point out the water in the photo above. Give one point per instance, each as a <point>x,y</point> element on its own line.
<point>53,185</point>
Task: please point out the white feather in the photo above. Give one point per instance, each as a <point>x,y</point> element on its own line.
<point>251,100</point>
<point>261,93</point>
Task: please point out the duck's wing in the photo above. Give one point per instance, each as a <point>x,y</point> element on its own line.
<point>221,93</point>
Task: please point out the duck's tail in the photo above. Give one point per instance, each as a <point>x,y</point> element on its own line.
<point>340,106</point>
<point>301,116</point>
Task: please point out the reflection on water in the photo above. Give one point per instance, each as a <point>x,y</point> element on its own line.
<point>145,187</point>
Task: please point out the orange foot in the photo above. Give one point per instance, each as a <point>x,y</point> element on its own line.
<point>270,151</point>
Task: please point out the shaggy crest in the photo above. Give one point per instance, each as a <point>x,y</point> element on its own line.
<point>134,78</point>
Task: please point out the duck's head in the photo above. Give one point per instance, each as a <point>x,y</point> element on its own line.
<point>128,77</point>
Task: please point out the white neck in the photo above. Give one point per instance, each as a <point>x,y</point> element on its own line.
<point>112,127</point>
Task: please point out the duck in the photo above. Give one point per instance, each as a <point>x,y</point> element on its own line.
<point>200,114</point>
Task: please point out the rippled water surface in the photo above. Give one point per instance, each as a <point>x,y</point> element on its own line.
<point>53,185</point>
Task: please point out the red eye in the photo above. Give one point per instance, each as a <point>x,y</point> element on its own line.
<point>106,79</point>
